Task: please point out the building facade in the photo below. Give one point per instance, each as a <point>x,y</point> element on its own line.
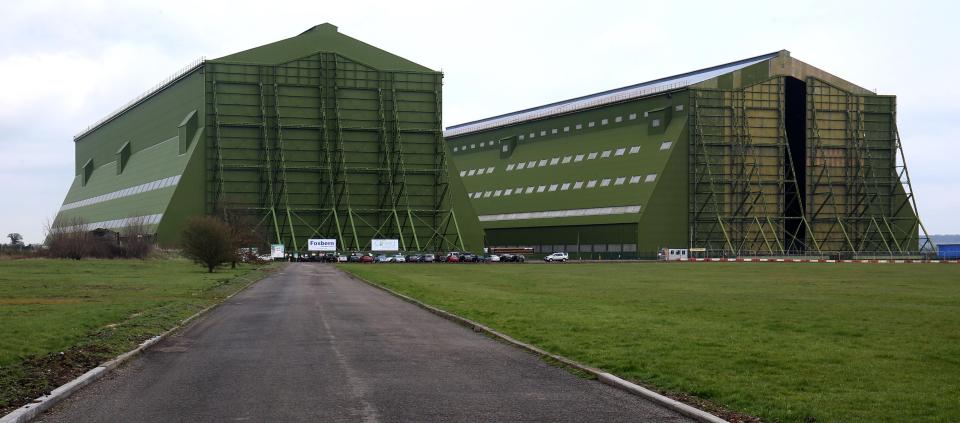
<point>763,156</point>
<point>315,136</point>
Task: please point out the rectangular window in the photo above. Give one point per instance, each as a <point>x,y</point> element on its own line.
<point>553,188</point>
<point>567,159</point>
<point>613,248</point>
<point>521,165</point>
<point>651,177</point>
<point>605,154</point>
<point>472,172</point>
<point>678,108</point>
<point>634,179</point>
<point>566,129</point>
<point>604,121</point>
<point>455,149</point>
<point>666,145</point>
<point>489,170</point>
<point>532,135</point>
<point>655,123</point>
<point>543,163</point>
<point>592,156</point>
<point>480,171</point>
<point>529,190</point>
<point>497,193</point>
<point>531,164</point>
<point>554,161</point>
<point>619,181</point>
<point>565,186</point>
<point>618,119</point>
<point>579,126</point>
<point>579,158</point>
<point>633,116</point>
<point>635,149</point>
<point>472,146</point>
<point>518,190</point>
<point>605,182</point>
<point>463,173</point>
<point>505,148</point>
<point>620,151</point>
<point>578,185</point>
<point>510,167</point>
<point>522,137</point>
<point>541,188</point>
<point>487,194</point>
<point>592,183</point>
<point>507,192</point>
<point>543,133</point>
<point>592,124</point>
<point>553,131</point>
<point>599,248</point>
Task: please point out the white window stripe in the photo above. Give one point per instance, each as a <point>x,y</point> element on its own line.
<point>550,214</point>
<point>126,192</point>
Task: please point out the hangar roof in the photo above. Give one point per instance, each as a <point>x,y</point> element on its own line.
<point>629,92</point>
<point>324,38</point>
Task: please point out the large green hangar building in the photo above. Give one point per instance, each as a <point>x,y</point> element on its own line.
<point>315,136</point>
<point>763,156</point>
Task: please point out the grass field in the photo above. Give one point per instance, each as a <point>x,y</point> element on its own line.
<point>785,342</point>
<point>92,310</point>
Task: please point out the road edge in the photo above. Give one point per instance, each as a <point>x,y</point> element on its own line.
<point>43,403</point>
<point>604,377</point>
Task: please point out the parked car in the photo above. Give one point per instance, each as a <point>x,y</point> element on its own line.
<point>452,258</point>
<point>383,258</point>
<point>561,257</point>
<point>512,258</point>
<point>468,258</point>
<point>399,258</point>
<point>414,258</point>
<point>366,258</point>
<point>491,258</point>
<point>355,258</point>
<point>428,258</point>
<point>341,258</point>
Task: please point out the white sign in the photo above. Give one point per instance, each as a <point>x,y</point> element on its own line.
<point>385,245</point>
<point>277,251</point>
<point>322,245</point>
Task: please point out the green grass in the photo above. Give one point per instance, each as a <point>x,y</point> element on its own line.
<point>785,342</point>
<point>93,310</point>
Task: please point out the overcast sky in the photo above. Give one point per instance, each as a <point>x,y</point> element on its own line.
<point>66,64</point>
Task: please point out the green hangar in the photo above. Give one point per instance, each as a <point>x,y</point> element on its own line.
<point>763,156</point>
<point>315,136</point>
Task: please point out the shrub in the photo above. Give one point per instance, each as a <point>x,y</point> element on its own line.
<point>136,241</point>
<point>69,239</point>
<point>208,241</point>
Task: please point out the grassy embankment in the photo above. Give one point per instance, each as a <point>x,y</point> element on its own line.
<point>785,342</point>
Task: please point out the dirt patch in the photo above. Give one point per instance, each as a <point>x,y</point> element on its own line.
<point>713,408</point>
<point>37,376</point>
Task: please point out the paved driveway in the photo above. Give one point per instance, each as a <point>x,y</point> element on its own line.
<point>311,344</point>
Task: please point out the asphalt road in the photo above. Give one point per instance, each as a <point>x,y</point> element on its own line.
<point>311,344</point>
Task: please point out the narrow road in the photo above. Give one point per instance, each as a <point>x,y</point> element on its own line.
<point>311,344</point>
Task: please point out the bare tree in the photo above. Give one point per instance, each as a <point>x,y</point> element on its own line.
<point>207,240</point>
<point>15,239</point>
<point>245,234</point>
